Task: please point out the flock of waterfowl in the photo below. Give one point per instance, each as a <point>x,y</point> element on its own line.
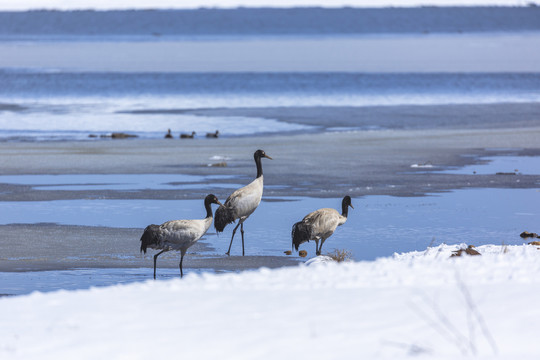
<point>169,135</point>
<point>180,235</point>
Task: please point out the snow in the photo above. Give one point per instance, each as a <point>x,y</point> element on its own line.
<point>418,303</point>
<point>190,4</point>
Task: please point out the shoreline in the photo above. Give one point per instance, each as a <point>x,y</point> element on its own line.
<point>97,247</point>
<point>358,163</point>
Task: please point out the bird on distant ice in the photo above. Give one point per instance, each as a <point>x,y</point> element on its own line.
<point>188,136</point>
<point>242,203</point>
<point>168,135</point>
<point>319,225</point>
<point>177,235</point>
<point>213,135</point>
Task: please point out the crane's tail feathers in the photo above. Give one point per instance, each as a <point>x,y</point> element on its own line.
<point>223,217</point>
<point>301,233</point>
<point>149,237</point>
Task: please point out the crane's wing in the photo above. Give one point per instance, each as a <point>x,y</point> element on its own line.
<point>322,221</point>
<point>183,229</point>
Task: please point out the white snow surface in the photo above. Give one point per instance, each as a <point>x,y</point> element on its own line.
<point>190,4</point>
<point>420,304</point>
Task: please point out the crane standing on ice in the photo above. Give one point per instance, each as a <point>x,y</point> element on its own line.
<point>242,203</point>
<point>320,225</point>
<point>177,234</point>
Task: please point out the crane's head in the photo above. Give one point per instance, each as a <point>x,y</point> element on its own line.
<point>346,202</point>
<point>211,199</point>
<point>261,154</point>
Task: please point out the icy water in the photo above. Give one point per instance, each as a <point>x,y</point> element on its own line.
<point>503,165</point>
<point>21,283</point>
<point>377,226</point>
<point>56,106</point>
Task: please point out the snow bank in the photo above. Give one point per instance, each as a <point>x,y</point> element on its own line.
<point>420,303</point>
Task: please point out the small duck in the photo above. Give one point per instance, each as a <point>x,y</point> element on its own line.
<point>188,136</point>
<point>168,135</point>
<point>213,135</point>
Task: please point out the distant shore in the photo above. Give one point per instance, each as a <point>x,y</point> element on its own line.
<point>265,21</point>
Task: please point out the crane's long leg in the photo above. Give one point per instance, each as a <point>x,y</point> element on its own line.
<point>155,261</point>
<point>320,248</point>
<point>181,259</point>
<point>242,232</point>
<point>233,232</point>
<point>317,247</point>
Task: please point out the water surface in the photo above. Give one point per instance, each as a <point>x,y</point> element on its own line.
<point>378,226</point>
<point>502,165</point>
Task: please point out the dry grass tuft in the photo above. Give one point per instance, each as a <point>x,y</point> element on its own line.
<point>340,255</point>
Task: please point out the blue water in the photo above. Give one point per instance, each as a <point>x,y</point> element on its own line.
<point>377,226</point>
<point>38,105</point>
<point>35,84</point>
<point>522,165</point>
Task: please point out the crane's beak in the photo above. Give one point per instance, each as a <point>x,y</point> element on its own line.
<point>219,203</point>
<point>351,206</point>
<point>268,157</point>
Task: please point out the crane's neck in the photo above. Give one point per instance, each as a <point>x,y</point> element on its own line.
<point>344,209</point>
<point>259,166</point>
<point>208,207</point>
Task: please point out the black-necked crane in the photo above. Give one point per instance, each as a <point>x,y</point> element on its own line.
<point>319,225</point>
<point>177,235</point>
<point>188,136</point>
<point>168,135</point>
<point>213,135</point>
<point>242,203</point>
